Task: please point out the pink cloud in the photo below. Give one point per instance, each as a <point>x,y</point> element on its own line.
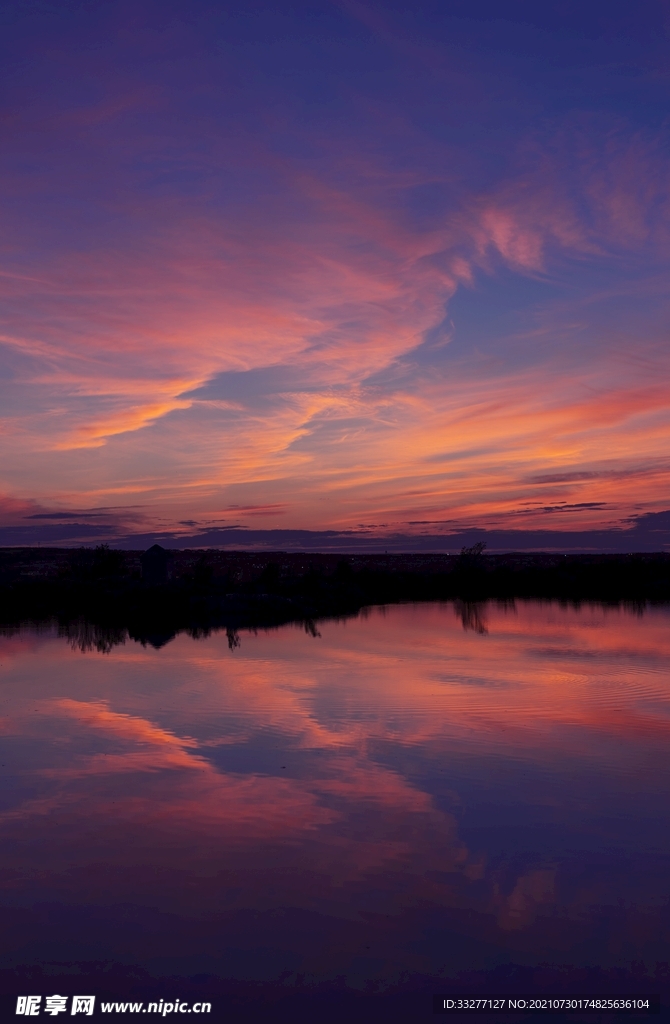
<point>325,273</point>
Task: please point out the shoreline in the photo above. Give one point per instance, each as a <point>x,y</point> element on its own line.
<point>152,597</point>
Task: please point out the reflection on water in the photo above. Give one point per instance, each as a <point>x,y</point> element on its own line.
<point>420,788</point>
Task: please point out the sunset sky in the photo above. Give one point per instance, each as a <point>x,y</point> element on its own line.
<point>383,269</point>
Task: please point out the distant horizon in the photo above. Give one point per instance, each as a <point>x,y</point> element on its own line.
<point>649,533</point>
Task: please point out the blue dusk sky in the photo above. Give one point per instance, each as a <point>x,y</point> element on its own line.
<point>390,273</point>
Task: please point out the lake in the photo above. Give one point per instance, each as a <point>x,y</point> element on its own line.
<point>420,789</point>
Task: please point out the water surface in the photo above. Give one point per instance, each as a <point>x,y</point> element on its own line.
<point>422,788</point>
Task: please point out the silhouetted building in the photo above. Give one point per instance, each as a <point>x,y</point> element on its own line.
<point>156,565</point>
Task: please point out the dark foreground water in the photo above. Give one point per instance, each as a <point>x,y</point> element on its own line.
<point>423,791</point>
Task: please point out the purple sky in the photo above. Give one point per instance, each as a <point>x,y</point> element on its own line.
<point>384,270</point>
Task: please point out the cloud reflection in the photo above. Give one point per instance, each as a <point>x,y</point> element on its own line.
<point>394,763</point>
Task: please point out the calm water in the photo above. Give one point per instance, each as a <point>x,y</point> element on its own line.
<point>417,789</point>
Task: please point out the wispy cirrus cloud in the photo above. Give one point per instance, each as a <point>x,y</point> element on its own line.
<point>210,302</point>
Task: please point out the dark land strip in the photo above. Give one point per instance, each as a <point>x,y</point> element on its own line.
<point>99,596</point>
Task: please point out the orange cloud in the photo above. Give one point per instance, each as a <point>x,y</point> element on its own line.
<point>329,279</point>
